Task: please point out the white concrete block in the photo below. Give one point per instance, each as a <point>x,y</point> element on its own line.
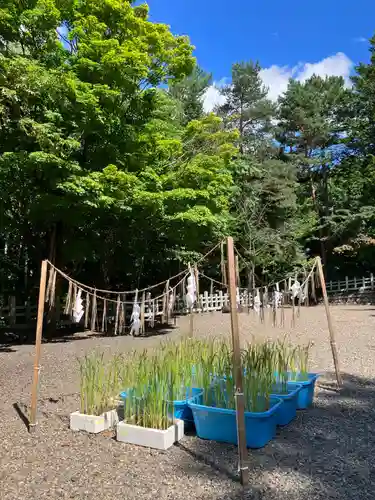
<point>179,430</point>
<point>151,438</point>
<point>93,423</point>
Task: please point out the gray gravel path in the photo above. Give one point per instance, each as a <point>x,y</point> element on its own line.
<point>326,453</point>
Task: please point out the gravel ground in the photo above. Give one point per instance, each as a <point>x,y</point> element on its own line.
<point>326,453</point>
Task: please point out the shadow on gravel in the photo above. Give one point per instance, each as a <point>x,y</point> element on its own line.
<point>11,336</point>
<point>6,348</point>
<point>22,414</point>
<point>325,453</point>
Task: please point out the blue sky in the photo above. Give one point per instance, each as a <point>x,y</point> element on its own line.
<point>288,37</point>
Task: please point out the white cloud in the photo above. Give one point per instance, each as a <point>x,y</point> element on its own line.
<point>276,78</point>
<point>360,39</point>
<point>212,96</point>
<point>337,65</point>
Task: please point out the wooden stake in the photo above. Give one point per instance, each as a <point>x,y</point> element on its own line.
<point>87,309</point>
<point>191,323</point>
<point>124,313</point>
<point>266,300</point>
<point>222,265</point>
<point>237,368</point>
<point>174,308</point>
<point>306,291</point>
<point>143,314</point>
<point>313,294</point>
<point>196,276</point>
<point>153,314</point>
<point>118,305</point>
<point>38,344</point>
<point>164,304</point>
<point>293,324</point>
<point>121,319</point>
<point>329,321</point>
<point>93,313</point>
<point>104,317</point>
<point>261,312</point>
<point>68,299</point>
<point>211,296</point>
<point>237,272</point>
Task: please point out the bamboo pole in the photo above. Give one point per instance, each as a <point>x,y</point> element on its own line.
<point>211,297</point>
<point>237,272</point>
<point>191,323</point>
<point>118,305</point>
<point>93,313</point>
<point>87,308</point>
<point>293,322</point>
<point>222,264</point>
<point>330,324</point>
<point>142,313</point>
<point>237,368</point>
<point>38,344</point>
<point>197,291</point>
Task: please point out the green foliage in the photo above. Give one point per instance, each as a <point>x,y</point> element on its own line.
<point>246,105</point>
<point>189,92</point>
<point>311,120</point>
<point>92,152</point>
<point>265,211</point>
<point>100,383</point>
<point>153,380</point>
<point>110,167</point>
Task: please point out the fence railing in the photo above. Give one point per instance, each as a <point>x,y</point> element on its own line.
<point>17,314</point>
<point>351,285</point>
<point>23,314</point>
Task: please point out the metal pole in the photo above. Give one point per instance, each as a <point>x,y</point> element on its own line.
<point>38,343</point>
<point>329,321</point>
<point>237,368</point>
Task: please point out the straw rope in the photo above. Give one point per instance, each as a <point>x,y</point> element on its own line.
<point>116,292</point>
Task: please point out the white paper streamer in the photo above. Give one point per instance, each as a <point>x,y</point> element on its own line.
<point>135,319</point>
<point>191,291</point>
<point>78,310</point>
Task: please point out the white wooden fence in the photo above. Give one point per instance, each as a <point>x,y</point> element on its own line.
<point>351,285</point>
<point>17,314</point>
<point>22,314</point>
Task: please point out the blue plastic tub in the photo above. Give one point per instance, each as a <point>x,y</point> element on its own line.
<point>288,410</point>
<point>306,393</point>
<point>219,424</point>
<point>181,408</point>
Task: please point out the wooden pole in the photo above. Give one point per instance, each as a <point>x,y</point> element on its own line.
<point>191,323</point>
<point>237,368</point>
<point>329,321</point>
<point>38,344</point>
<point>197,292</point>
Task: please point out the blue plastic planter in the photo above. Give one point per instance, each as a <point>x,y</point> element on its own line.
<point>219,424</point>
<point>288,410</point>
<point>181,408</point>
<point>306,393</point>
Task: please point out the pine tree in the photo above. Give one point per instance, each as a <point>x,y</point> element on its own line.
<point>247,107</point>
